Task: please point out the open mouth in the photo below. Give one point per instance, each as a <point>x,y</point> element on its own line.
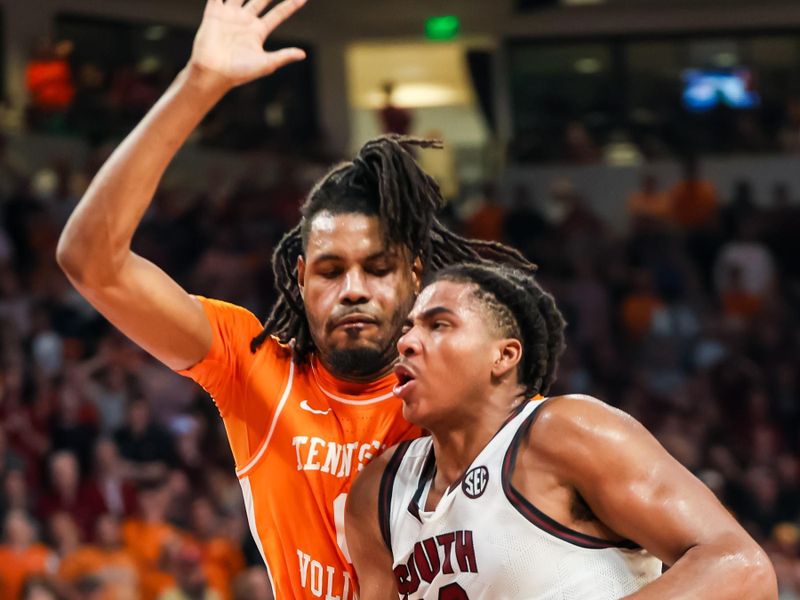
<point>405,381</point>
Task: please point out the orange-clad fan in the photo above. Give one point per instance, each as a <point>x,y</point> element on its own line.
<point>152,541</point>
<point>48,77</point>
<point>221,553</point>
<point>20,555</point>
<point>108,561</point>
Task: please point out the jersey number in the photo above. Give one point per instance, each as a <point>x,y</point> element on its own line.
<point>338,521</point>
<point>453,592</point>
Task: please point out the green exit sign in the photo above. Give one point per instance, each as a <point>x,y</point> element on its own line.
<point>442,28</point>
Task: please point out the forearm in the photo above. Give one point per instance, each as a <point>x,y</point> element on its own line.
<point>715,573</point>
<point>98,235</point>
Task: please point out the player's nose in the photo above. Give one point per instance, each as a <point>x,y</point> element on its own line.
<point>354,288</point>
<point>408,345</point>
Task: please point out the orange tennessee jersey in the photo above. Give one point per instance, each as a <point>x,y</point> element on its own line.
<point>299,437</point>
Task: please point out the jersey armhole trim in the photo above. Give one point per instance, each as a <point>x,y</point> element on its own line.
<point>536,516</point>
<point>385,492</point>
<point>263,448</point>
<point>425,479</point>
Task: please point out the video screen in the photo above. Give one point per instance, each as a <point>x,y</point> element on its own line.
<point>705,89</point>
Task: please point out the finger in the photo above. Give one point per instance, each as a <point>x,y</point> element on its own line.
<point>281,58</point>
<point>257,6</point>
<point>280,13</point>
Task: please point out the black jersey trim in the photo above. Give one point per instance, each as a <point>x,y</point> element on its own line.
<point>513,415</point>
<point>428,471</point>
<point>385,492</point>
<point>533,514</point>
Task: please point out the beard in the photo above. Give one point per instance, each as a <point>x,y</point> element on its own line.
<point>358,363</point>
<point>362,362</point>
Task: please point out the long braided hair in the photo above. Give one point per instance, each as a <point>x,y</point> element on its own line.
<point>383,180</point>
<point>521,309</point>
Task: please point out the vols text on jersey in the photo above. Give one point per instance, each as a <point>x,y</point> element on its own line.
<point>325,581</point>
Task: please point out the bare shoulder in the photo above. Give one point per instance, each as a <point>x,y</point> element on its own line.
<point>580,427</point>
<point>574,413</point>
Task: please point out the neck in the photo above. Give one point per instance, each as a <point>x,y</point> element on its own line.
<point>358,378</point>
<point>460,438</point>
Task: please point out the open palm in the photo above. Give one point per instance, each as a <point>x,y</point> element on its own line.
<point>230,41</point>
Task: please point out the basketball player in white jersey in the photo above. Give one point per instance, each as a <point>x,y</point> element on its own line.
<point>563,498</point>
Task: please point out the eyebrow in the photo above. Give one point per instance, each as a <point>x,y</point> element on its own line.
<point>389,254</point>
<point>430,314</point>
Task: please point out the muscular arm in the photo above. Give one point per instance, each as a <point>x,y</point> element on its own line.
<point>643,494</point>
<point>369,553</point>
<point>94,248</point>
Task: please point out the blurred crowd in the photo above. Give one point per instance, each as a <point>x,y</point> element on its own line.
<point>74,91</point>
<point>116,477</point>
<point>116,481</point>
<point>689,322</point>
<point>672,131</point>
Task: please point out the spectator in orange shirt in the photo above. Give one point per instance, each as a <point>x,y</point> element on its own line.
<point>649,203</point>
<point>640,306</point>
<point>222,557</point>
<point>191,582</point>
<point>694,199</point>
<point>106,561</point>
<point>48,79</point>
<point>20,555</point>
<point>487,222</point>
<point>151,540</point>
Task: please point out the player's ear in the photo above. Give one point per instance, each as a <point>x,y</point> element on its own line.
<point>507,357</point>
<point>301,274</point>
<point>416,274</point>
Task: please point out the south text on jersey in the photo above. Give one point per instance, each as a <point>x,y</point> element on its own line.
<point>447,553</point>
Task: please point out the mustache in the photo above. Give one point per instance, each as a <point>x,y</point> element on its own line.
<point>339,316</point>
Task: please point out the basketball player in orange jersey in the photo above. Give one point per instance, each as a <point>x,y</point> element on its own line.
<point>306,398</point>
<point>544,499</point>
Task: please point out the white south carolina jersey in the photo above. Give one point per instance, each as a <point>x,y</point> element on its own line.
<point>485,541</point>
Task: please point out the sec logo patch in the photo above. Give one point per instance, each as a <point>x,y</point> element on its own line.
<point>475,481</point>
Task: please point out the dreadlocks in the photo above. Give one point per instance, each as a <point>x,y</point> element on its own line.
<point>383,180</point>
<point>521,309</point>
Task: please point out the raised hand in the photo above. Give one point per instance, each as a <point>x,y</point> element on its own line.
<point>229,45</point>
